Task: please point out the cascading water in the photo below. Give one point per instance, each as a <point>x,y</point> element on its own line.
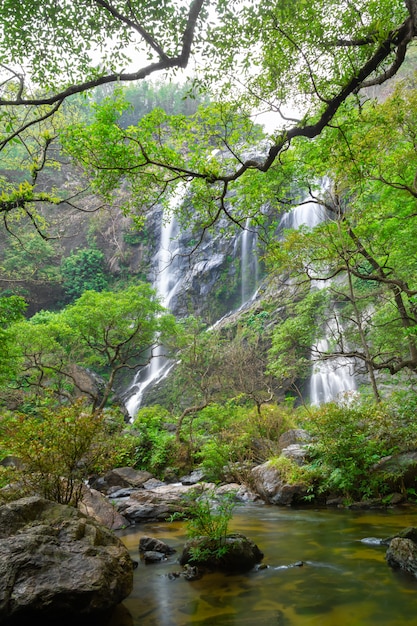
<point>165,284</point>
<point>249,269</point>
<point>308,213</point>
<point>330,378</point>
<point>249,262</point>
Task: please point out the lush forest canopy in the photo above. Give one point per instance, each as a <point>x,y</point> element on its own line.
<point>136,99</point>
<point>306,58</point>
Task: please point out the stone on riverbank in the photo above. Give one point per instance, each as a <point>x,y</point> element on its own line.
<point>58,566</point>
<point>273,488</point>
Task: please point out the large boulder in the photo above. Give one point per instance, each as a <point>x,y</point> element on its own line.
<point>402,554</point>
<point>402,550</point>
<point>121,477</point>
<point>58,566</point>
<point>96,505</point>
<point>270,484</point>
<point>234,553</point>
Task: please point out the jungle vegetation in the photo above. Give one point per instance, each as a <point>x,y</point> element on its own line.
<point>135,99</point>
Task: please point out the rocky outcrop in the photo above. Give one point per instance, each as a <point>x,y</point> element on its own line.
<point>158,504</point>
<point>234,553</point>
<point>121,477</point>
<point>136,496</point>
<point>270,484</point>
<point>292,437</point>
<point>145,505</point>
<point>96,505</point>
<point>58,566</point>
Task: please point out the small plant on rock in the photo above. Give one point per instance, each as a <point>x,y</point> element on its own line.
<point>208,517</point>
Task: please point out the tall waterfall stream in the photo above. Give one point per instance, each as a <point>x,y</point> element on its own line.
<point>329,378</point>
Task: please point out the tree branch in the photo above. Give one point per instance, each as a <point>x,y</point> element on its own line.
<point>165,63</point>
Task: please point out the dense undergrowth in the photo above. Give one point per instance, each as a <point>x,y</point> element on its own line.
<point>346,454</point>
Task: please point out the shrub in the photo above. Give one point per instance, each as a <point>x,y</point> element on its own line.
<point>155,445</point>
<point>58,451</point>
<point>290,472</point>
<point>208,517</point>
<point>348,441</point>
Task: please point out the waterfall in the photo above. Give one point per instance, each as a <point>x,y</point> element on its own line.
<point>165,283</point>
<point>249,262</point>
<point>330,378</point>
<point>308,213</point>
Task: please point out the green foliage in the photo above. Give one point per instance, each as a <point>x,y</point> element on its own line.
<point>11,311</point>
<point>197,376</point>
<point>215,438</point>
<point>155,447</point>
<point>107,331</point>
<point>349,440</point>
<point>290,472</point>
<point>173,98</point>
<point>83,270</point>
<point>58,450</point>
<point>29,257</point>
<point>227,438</point>
<point>79,32</point>
<point>208,517</point>
<point>368,242</point>
<point>293,336</point>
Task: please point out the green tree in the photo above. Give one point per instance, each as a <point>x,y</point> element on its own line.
<point>366,249</point>
<point>197,377</point>
<point>83,270</point>
<point>107,331</point>
<point>364,44</point>
<point>12,309</point>
<point>293,336</point>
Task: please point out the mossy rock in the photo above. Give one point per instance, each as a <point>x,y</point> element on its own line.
<point>234,553</point>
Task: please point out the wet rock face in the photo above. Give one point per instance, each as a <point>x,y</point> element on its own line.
<point>147,544</point>
<point>58,566</point>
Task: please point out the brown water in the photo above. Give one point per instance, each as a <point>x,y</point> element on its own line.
<point>343,580</point>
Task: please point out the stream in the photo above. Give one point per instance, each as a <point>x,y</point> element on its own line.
<point>344,579</point>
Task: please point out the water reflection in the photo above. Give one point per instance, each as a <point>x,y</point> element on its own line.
<point>320,572</point>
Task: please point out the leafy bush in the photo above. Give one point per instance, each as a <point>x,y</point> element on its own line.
<point>350,440</point>
<point>290,472</point>
<point>219,439</point>
<point>224,438</point>
<point>155,445</point>
<point>58,451</point>
<point>208,517</point>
